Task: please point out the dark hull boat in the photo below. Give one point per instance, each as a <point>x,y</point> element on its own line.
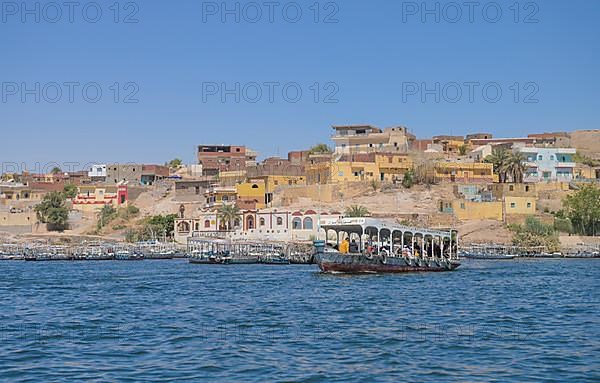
<point>359,263</point>
<point>381,247</point>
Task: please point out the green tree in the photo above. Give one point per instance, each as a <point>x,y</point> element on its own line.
<point>320,149</point>
<point>105,215</point>
<point>160,225</point>
<point>462,150</point>
<point>53,211</point>
<point>228,214</point>
<point>583,210</point>
<point>408,181</point>
<point>56,170</point>
<point>500,158</point>
<point>70,191</point>
<point>515,166</point>
<point>175,163</point>
<point>356,211</point>
<point>535,233</point>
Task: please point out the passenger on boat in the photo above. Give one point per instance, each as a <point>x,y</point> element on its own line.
<point>345,246</point>
<point>353,247</point>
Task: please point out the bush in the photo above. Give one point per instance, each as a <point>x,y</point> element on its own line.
<point>535,233</point>
<point>409,179</point>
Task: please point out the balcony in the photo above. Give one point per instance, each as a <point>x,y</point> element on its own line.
<point>566,164</point>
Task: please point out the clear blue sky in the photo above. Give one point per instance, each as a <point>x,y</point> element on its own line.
<point>369,54</point>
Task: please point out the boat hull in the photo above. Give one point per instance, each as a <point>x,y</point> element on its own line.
<point>358,263</point>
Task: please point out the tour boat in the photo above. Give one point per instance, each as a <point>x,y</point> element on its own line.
<point>377,246</point>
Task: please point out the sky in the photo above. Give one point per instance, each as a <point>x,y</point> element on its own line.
<point>145,82</point>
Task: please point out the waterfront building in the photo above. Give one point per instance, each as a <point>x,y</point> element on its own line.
<point>350,139</point>
<point>254,224</point>
<point>549,164</point>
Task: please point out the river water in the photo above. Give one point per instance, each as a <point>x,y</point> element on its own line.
<point>505,321</point>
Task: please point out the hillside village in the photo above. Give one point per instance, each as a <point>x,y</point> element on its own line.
<point>480,184</point>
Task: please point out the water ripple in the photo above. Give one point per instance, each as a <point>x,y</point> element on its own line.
<point>522,321</point>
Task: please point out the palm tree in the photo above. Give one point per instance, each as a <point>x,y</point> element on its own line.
<point>356,211</point>
<point>516,166</point>
<point>500,158</point>
<point>228,214</point>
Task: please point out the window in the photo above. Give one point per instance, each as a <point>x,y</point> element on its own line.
<point>262,222</point>
<point>255,186</point>
<point>308,223</point>
<point>552,157</point>
<point>462,205</point>
<point>279,221</point>
<point>526,188</point>
<point>250,222</point>
<point>207,223</point>
<point>341,174</point>
<point>529,205</point>
<point>540,157</point>
<point>297,223</point>
<point>513,205</point>
<point>224,198</point>
<point>511,188</point>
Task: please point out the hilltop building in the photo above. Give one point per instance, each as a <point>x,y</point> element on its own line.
<point>351,139</point>
<point>224,158</point>
<point>549,164</point>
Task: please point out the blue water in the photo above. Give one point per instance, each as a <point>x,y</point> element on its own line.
<point>504,321</point>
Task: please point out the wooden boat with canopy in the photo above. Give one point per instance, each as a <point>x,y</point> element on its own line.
<point>377,246</point>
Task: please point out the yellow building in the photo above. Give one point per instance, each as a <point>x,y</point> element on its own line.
<point>360,167</point>
<point>469,210</point>
<point>252,192</point>
<point>272,182</point>
<point>218,196</point>
<point>463,172</point>
<point>519,205</point>
<point>393,167</point>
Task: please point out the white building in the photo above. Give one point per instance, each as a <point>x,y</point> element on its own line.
<point>350,139</point>
<point>548,164</point>
<point>97,171</point>
<point>271,225</point>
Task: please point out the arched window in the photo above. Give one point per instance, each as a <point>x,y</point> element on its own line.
<point>183,227</point>
<point>262,222</point>
<point>255,186</point>
<point>279,221</point>
<point>206,223</point>
<point>250,222</point>
<point>197,226</point>
<point>297,223</point>
<point>308,223</point>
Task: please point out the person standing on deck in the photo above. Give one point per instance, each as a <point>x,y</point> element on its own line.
<point>345,246</point>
